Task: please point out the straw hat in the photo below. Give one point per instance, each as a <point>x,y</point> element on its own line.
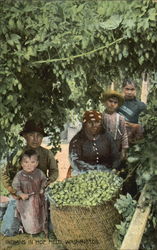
<point>112,93</point>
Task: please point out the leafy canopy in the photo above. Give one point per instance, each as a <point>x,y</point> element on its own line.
<point>52,48</point>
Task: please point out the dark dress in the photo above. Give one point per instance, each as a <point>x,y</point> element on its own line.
<point>93,153</point>
<point>131,110</point>
<point>33,211</point>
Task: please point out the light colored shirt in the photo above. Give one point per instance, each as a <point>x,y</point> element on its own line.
<point>115,125</point>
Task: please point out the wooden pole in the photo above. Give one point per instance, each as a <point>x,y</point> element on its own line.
<point>136,229</point>
<point>145,87</point>
<point>112,86</point>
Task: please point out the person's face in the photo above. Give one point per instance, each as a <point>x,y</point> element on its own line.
<point>29,164</point>
<point>111,104</point>
<point>33,139</point>
<point>93,127</point>
<point>129,91</point>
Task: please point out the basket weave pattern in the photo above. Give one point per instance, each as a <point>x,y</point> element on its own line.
<point>82,228</point>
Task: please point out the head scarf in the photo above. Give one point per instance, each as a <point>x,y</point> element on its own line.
<point>92,115</point>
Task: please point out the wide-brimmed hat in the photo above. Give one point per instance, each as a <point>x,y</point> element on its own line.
<point>32,126</point>
<point>112,93</point>
<point>92,115</point>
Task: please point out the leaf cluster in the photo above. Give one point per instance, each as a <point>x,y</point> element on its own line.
<point>143,157</point>
<point>46,46</point>
<point>126,207</point>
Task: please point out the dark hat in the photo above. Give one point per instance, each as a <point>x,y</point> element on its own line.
<point>32,126</point>
<point>111,93</point>
<point>92,115</point>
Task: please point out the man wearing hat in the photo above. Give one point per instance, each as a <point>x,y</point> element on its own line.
<point>92,148</point>
<point>113,122</point>
<point>33,133</point>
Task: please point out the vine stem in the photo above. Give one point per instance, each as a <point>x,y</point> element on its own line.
<point>77,56</point>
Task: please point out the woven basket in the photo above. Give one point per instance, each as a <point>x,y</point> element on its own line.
<point>85,228</point>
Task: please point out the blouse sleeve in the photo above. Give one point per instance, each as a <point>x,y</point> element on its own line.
<point>75,155</point>
<point>16,184</point>
<point>43,180</point>
<point>124,133</point>
<point>52,166</point>
<point>115,156</point>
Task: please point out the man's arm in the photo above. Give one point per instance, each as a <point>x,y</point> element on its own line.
<point>7,176</point>
<point>123,131</point>
<point>10,170</point>
<point>143,107</point>
<point>52,166</point>
<point>115,155</point>
<point>43,181</point>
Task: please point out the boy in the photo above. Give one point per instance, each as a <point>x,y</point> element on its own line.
<point>29,184</point>
<point>113,122</point>
<point>33,134</point>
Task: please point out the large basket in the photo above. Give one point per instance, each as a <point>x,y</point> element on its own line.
<point>85,228</point>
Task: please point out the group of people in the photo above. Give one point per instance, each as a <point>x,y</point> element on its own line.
<point>105,137</point>
<point>26,176</point>
<point>100,145</point>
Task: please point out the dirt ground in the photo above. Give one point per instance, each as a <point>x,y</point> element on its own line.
<point>63,161</point>
<point>27,242</point>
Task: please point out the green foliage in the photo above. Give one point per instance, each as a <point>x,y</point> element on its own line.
<point>126,207</point>
<point>56,57</point>
<point>147,172</point>
<point>85,190</point>
<point>47,45</point>
<point>149,240</point>
<point>3,190</point>
<point>59,55</point>
<point>145,150</point>
<point>142,156</point>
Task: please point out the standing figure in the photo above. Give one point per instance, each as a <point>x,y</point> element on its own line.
<point>131,110</point>
<point>93,148</point>
<point>29,184</point>
<point>33,133</point>
<point>113,122</point>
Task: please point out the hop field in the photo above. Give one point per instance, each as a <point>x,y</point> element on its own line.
<point>85,190</point>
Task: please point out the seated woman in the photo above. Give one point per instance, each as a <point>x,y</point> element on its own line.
<point>93,148</point>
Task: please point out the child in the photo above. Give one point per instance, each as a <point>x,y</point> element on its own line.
<point>113,122</point>
<point>29,184</point>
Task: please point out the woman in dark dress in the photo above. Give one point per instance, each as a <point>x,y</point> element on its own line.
<point>93,148</point>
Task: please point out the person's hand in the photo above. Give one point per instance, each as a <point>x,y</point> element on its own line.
<point>24,196</point>
<point>114,171</point>
<point>15,197</point>
<point>11,190</point>
<point>41,191</point>
<point>127,124</point>
<point>48,183</point>
<point>13,193</point>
